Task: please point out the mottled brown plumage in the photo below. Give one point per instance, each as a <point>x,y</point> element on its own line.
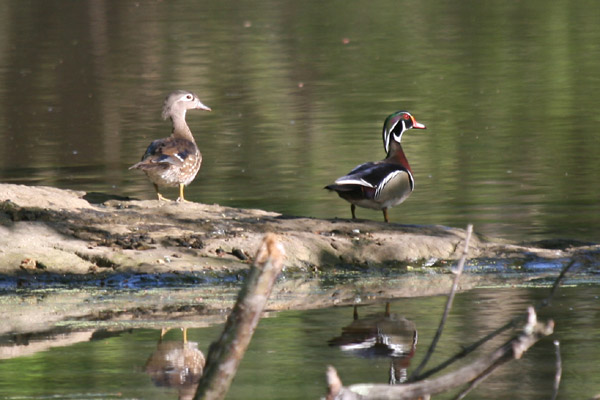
<point>175,160</point>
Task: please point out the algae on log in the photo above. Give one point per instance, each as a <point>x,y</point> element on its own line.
<point>63,232</point>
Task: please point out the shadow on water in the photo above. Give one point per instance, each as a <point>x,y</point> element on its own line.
<point>119,280</point>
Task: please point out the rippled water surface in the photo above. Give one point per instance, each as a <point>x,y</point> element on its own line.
<point>299,92</point>
<point>290,350</point>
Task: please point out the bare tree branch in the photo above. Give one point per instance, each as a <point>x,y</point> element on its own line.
<point>481,367</point>
<point>558,374</point>
<point>474,373</point>
<point>475,382</point>
<point>449,301</point>
<point>336,390</point>
<point>224,356</point>
<point>511,324</point>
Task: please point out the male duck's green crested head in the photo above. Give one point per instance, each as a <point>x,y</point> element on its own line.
<point>395,125</point>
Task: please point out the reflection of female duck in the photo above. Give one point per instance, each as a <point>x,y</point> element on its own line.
<point>177,364</point>
<point>381,335</point>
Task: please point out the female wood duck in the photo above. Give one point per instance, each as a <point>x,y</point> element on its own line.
<point>174,161</point>
<point>382,184</point>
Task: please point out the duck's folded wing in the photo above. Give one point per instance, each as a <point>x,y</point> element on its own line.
<point>162,153</point>
<point>372,174</point>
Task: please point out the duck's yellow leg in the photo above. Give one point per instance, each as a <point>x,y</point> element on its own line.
<point>181,198</point>
<point>160,196</point>
<point>385,215</point>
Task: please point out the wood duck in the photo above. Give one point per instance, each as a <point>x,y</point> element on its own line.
<point>382,184</point>
<point>176,364</point>
<point>174,161</point>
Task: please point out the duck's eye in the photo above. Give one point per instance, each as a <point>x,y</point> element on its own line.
<point>406,117</point>
<point>189,97</point>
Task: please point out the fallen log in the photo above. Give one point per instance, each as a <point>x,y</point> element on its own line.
<point>60,231</point>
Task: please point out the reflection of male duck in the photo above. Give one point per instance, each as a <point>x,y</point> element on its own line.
<point>381,335</point>
<point>177,364</point>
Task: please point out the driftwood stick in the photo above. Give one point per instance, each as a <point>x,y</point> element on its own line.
<point>336,390</point>
<point>556,285</point>
<point>558,374</point>
<point>512,349</point>
<point>449,301</point>
<point>531,321</point>
<point>475,382</point>
<point>510,324</point>
<point>224,356</point>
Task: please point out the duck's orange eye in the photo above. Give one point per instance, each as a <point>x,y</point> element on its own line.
<point>406,117</point>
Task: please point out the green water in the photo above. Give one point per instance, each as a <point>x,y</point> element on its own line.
<point>289,352</point>
<point>299,92</point>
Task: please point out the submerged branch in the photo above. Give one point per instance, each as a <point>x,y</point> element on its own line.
<point>438,334</point>
<point>481,367</point>
<point>558,373</point>
<point>471,374</point>
<point>510,324</point>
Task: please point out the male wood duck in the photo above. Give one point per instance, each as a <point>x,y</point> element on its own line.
<point>174,161</point>
<point>381,184</point>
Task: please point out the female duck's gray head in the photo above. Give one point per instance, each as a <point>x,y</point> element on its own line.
<point>177,103</point>
<point>395,125</point>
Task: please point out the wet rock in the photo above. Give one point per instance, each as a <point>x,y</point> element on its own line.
<point>64,232</point>
<point>189,241</point>
<point>239,254</point>
<point>31,264</point>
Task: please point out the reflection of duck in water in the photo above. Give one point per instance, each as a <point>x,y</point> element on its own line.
<point>381,335</point>
<point>177,364</point>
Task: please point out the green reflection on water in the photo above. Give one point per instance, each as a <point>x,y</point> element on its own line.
<point>289,352</point>
<point>299,90</point>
